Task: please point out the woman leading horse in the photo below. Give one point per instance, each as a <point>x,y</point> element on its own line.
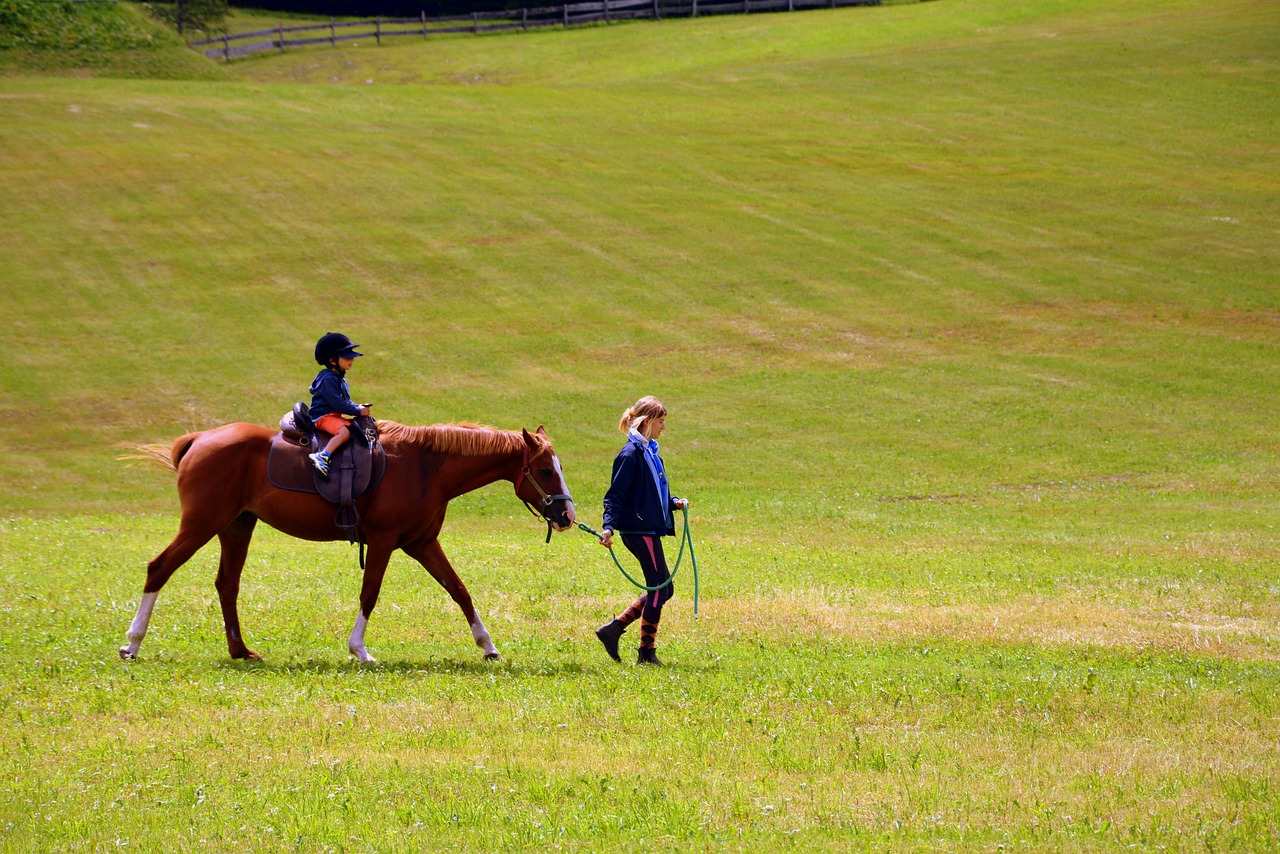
<point>224,491</point>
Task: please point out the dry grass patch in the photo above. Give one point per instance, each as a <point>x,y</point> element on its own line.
<point>1075,619</point>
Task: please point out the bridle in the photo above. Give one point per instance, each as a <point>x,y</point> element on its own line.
<point>544,506</point>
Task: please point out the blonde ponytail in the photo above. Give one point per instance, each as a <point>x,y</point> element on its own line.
<point>643,410</point>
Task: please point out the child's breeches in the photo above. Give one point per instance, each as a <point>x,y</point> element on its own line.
<point>648,550</point>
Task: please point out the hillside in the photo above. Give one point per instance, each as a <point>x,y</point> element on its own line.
<point>104,39</point>
<point>896,228</point>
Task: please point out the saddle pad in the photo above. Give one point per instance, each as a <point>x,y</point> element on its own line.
<point>288,467</point>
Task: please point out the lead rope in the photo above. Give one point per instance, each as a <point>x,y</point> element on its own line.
<point>684,540</point>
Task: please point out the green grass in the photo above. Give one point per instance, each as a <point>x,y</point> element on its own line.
<point>967,319</point>
<point>759,734</point>
<point>85,38</point>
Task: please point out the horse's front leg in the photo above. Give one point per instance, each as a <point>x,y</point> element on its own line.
<point>375,568</point>
<point>431,555</point>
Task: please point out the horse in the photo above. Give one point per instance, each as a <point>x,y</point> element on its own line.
<point>223,490</point>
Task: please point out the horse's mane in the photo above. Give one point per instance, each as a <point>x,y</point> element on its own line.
<point>468,440</point>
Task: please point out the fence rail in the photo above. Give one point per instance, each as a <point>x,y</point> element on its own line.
<point>281,38</point>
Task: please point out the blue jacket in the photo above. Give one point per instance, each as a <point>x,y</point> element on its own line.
<point>634,502</point>
<point>329,393</point>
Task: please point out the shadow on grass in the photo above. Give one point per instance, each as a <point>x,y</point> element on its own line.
<point>406,669</point>
<point>452,667</point>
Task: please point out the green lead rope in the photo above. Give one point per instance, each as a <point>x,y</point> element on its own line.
<point>684,540</point>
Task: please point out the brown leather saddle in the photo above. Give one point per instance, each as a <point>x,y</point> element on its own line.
<point>355,470</point>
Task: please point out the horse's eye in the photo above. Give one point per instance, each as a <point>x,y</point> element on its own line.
<point>547,472</point>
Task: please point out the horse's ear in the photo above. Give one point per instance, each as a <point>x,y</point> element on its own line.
<point>528,440</point>
<point>541,432</point>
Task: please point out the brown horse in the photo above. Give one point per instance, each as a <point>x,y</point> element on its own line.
<point>224,491</point>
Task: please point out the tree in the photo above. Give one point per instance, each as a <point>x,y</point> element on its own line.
<point>206,15</point>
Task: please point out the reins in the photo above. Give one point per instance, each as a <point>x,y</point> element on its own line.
<point>685,539</point>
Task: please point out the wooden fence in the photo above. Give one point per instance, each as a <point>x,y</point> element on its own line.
<point>572,14</point>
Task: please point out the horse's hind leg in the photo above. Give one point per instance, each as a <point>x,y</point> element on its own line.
<point>235,547</point>
<point>432,556</point>
<point>184,545</point>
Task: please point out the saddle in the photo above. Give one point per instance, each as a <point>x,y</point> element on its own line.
<point>355,470</point>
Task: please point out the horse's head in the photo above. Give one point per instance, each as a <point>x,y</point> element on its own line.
<point>541,485</point>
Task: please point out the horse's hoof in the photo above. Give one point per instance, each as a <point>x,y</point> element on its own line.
<point>246,655</point>
<point>126,655</point>
<point>492,656</point>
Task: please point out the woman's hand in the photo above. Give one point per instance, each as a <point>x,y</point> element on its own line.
<point>606,539</point>
<point>682,504</point>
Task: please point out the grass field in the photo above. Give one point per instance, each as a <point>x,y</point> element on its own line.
<point>967,317</point>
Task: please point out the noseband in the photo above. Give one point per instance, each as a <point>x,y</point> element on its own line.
<point>544,506</point>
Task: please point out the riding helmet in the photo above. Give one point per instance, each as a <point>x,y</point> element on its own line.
<point>335,345</point>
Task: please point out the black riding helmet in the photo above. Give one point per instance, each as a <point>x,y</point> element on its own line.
<point>335,345</point>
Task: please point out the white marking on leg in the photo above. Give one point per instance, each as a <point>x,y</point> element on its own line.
<point>138,628</point>
<point>355,644</point>
<point>481,634</point>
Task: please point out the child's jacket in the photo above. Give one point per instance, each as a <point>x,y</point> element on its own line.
<point>329,393</point>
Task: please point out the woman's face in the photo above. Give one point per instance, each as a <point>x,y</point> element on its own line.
<point>656,426</point>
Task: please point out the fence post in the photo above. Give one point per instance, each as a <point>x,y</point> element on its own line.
<point>226,48</point>
<point>280,36</point>
<point>695,9</point>
<point>657,11</point>
<point>333,33</point>
<point>566,15</point>
<point>524,18</point>
<point>746,6</point>
<point>377,29</point>
<point>424,24</point>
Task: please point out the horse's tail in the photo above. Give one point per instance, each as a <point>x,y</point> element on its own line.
<point>161,455</point>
